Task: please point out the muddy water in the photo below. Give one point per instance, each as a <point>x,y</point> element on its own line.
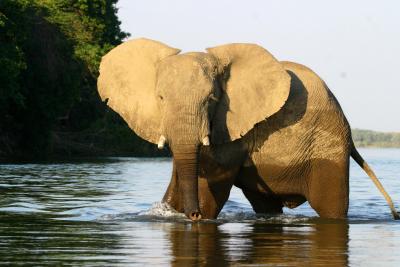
<point>105,212</point>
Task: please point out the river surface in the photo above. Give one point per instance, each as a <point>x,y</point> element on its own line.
<point>105,212</point>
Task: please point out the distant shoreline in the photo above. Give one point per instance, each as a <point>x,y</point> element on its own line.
<point>374,139</point>
<point>67,146</point>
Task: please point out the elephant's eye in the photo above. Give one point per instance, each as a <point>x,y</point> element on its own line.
<point>160,97</point>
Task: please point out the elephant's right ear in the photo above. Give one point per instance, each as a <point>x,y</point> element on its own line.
<point>127,79</point>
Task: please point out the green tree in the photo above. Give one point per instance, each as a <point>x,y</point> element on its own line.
<point>12,63</point>
<point>367,138</point>
<point>50,53</point>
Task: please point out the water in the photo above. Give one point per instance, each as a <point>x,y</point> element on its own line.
<point>105,212</point>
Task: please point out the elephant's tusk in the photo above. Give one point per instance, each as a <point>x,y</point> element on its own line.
<point>206,141</point>
<point>161,142</point>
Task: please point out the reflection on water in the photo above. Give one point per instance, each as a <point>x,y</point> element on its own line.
<point>27,239</point>
<point>100,213</point>
<point>274,244</point>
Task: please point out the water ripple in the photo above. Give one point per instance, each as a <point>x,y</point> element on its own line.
<point>106,212</point>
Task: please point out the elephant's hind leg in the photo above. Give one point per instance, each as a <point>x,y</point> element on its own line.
<point>257,192</point>
<point>263,203</point>
<point>328,188</point>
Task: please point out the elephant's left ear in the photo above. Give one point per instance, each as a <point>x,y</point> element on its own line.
<point>256,87</point>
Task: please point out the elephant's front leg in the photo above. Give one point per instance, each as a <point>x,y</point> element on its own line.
<point>214,185</point>
<point>212,196</point>
<point>172,196</point>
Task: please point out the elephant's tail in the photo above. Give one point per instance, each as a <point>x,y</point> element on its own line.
<point>364,165</point>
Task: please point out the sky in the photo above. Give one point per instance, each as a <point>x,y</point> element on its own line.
<point>353,45</point>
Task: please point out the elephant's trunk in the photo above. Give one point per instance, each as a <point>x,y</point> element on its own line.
<point>186,159</point>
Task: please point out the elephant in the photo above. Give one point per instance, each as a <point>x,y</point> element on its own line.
<point>235,116</point>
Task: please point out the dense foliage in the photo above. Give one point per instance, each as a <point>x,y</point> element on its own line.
<point>367,138</point>
<point>50,53</point>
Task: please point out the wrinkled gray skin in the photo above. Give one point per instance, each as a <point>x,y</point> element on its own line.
<point>274,128</point>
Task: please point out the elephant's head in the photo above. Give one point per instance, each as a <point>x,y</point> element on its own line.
<point>193,99</point>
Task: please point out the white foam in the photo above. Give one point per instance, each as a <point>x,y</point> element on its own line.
<point>161,209</point>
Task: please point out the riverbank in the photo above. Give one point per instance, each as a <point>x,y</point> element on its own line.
<point>368,138</point>
<point>117,140</point>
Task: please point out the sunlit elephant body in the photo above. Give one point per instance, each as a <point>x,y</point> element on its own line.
<point>300,153</point>
<point>235,116</point>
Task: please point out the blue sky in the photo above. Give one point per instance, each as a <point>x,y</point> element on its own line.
<point>353,45</point>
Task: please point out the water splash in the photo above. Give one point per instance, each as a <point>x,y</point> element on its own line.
<point>162,212</point>
<point>161,209</point>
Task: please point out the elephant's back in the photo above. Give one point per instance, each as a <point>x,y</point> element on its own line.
<point>323,114</point>
<point>311,126</point>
